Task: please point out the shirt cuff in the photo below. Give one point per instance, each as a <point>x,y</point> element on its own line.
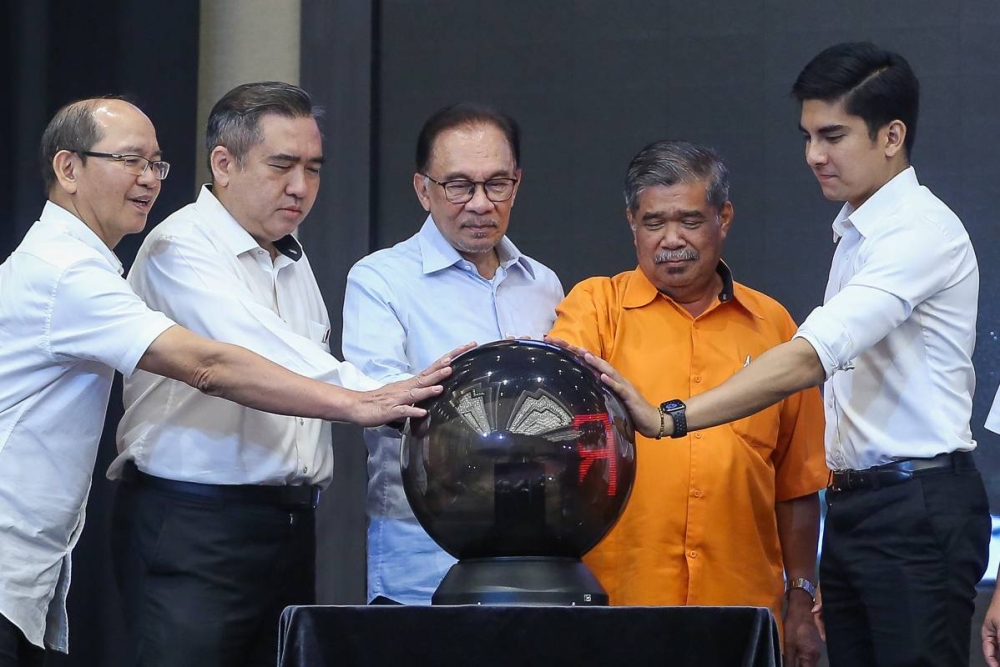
<point>830,338</point>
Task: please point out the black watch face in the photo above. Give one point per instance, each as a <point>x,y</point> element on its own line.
<point>669,406</point>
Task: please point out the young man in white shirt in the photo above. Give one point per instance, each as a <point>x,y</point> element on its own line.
<point>908,525</point>
<point>458,278</point>
<point>67,321</point>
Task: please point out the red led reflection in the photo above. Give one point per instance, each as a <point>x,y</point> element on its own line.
<point>607,452</point>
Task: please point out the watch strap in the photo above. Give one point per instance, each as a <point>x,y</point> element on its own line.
<point>804,584</point>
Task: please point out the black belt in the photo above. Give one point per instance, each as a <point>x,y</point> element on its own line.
<point>251,494</point>
<point>897,472</point>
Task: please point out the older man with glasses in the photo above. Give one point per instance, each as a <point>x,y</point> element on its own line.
<point>459,278</point>
<point>67,322</point>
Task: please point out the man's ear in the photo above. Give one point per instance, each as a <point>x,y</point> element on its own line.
<point>65,165</point>
<point>517,186</point>
<point>420,183</point>
<point>895,138</point>
<point>223,163</point>
<point>726,214</point>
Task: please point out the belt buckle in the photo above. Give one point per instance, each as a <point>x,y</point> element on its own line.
<point>840,480</point>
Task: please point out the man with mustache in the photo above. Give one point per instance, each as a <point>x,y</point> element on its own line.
<point>459,278</point>
<point>730,515</point>
<point>214,523</point>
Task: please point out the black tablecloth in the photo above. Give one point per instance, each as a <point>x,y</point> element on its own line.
<point>490,636</point>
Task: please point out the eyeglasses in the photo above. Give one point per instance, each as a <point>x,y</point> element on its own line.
<point>134,164</point>
<point>462,190</point>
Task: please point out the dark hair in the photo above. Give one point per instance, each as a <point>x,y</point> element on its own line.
<point>73,128</point>
<point>876,85</point>
<point>668,163</point>
<point>235,119</point>
<point>466,113</point>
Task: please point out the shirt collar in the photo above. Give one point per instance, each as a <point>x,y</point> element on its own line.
<point>885,200</point>
<point>641,292</point>
<point>54,214</point>
<point>438,254</point>
<point>232,234</point>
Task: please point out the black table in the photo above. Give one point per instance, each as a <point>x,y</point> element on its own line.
<point>490,636</point>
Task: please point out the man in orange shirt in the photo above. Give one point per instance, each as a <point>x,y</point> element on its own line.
<point>727,515</point>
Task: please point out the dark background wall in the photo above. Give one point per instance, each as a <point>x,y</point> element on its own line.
<point>591,83</point>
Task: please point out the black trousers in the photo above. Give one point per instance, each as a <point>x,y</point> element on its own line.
<point>899,570</point>
<point>15,649</point>
<point>203,581</point>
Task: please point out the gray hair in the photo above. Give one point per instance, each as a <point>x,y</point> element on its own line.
<point>668,163</point>
<point>73,128</point>
<point>234,122</point>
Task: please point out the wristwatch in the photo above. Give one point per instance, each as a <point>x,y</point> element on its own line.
<point>804,584</point>
<point>678,413</point>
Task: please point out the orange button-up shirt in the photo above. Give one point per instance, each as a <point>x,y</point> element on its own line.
<point>700,526</point>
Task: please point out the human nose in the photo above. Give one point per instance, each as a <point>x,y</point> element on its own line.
<point>815,155</point>
<point>296,186</point>
<point>148,177</point>
<point>479,202</point>
<point>672,238</point>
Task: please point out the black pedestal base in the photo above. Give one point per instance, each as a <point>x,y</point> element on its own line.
<point>520,581</point>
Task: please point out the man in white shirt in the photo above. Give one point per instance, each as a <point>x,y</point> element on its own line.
<point>907,524</point>
<point>457,279</point>
<point>67,321</point>
<point>214,527</point>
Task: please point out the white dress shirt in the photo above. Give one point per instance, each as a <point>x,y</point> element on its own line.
<point>207,273</point>
<point>993,418</point>
<point>67,321</point>
<point>897,329</point>
<point>405,307</point>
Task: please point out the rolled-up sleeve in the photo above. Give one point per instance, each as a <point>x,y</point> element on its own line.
<point>898,271</point>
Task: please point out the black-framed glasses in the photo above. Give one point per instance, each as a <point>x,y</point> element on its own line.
<point>463,190</point>
<point>134,164</point>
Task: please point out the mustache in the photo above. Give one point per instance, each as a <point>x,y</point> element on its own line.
<point>479,222</point>
<point>682,255</point>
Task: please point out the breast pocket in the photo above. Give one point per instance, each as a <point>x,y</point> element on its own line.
<point>760,430</point>
<point>319,333</point>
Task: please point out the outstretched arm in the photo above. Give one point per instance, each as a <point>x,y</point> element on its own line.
<point>236,374</point>
<point>775,375</point>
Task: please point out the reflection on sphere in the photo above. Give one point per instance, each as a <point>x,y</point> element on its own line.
<point>525,453</point>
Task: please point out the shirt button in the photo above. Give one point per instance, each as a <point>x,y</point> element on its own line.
<point>697,493</point>
<point>697,378</point>
<point>698,436</point>
<point>305,469</point>
<point>693,554</point>
<point>302,422</point>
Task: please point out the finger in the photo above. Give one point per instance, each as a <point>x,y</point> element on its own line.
<point>575,349</point>
<point>429,377</point>
<point>601,366</point>
<point>403,411</point>
<point>417,394</point>
<point>461,349</point>
<point>990,652</point>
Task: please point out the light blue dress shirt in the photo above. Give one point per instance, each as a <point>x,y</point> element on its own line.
<point>405,307</point>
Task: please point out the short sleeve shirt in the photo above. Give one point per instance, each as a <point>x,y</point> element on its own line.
<point>67,321</point>
<point>700,526</point>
